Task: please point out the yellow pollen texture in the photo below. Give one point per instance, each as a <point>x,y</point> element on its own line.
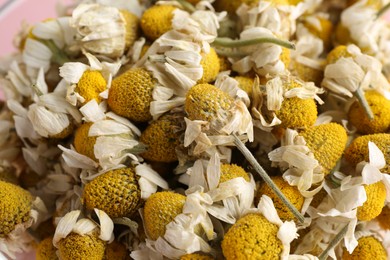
<point>231,171</point>
<point>157,20</point>
<point>252,237</point>
<point>83,143</point>
<point>46,250</point>
<point>210,65</point>
<point>78,247</point>
<point>205,101</point>
<point>160,209</point>
<point>15,205</point>
<point>327,142</point>
<point>90,85</point>
<point>115,192</point>
<point>368,248</point>
<point>131,93</point>
<point>372,207</point>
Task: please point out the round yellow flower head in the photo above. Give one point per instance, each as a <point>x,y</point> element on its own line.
<point>231,171</point>
<point>90,85</point>
<point>210,65</point>
<point>327,142</point>
<point>46,250</point>
<point>384,218</point>
<point>160,209</point>
<point>291,192</point>
<point>205,102</point>
<point>15,206</point>
<point>132,27</point>
<point>337,53</point>
<point>157,20</point>
<point>252,236</point>
<point>195,256</point>
<point>116,251</point>
<point>245,83</point>
<point>231,5</point>
<point>380,106</point>
<point>325,33</point>
<point>81,247</point>
<point>131,93</point>
<point>224,63</point>
<point>115,192</point>
<point>162,138</point>
<point>372,207</point>
<point>296,112</point>
<point>7,174</point>
<point>357,151</point>
<point>368,248</point>
<point>83,143</point>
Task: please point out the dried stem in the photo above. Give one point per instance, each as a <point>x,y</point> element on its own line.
<point>230,43</point>
<point>333,243</point>
<point>382,11</point>
<point>248,155</point>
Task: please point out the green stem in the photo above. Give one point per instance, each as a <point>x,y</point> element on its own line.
<point>230,43</point>
<point>248,155</point>
<point>363,102</point>
<point>59,56</point>
<point>333,243</point>
<point>382,11</point>
<point>186,6</point>
<point>230,53</point>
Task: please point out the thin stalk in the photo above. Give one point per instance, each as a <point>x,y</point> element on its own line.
<point>382,11</point>
<point>363,102</point>
<point>59,55</point>
<point>333,243</point>
<point>230,53</point>
<point>248,155</point>
<point>186,6</point>
<point>230,43</point>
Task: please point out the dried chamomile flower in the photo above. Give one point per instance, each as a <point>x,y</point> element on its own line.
<point>337,53</point>
<point>160,209</point>
<point>245,83</point>
<point>252,235</point>
<point>210,65</point>
<point>369,247</point>
<point>116,192</point>
<point>157,20</point>
<point>131,93</point>
<point>116,251</point>
<point>83,142</point>
<point>103,29</point>
<point>46,250</point>
<point>380,107</point>
<point>357,151</point>
<point>82,238</point>
<point>372,207</point>
<point>162,137</point>
<point>296,112</point>
<point>205,102</point>
<point>327,142</point>
<point>272,237</point>
<point>18,212</point>
<point>292,194</point>
<point>231,171</point>
<point>87,82</point>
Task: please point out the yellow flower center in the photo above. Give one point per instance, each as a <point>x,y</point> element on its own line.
<point>368,248</point>
<point>210,65</point>
<point>90,85</point>
<point>78,247</point>
<point>157,20</point>
<point>83,143</point>
<point>372,207</point>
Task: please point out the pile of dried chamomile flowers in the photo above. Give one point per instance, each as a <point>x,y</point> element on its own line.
<point>198,129</point>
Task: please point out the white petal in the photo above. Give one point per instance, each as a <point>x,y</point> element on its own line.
<point>106,226</point>
<point>65,226</point>
<point>84,226</point>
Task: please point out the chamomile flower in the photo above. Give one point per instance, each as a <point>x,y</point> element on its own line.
<point>82,238</point>
<point>213,115</point>
<point>157,20</point>
<point>19,211</point>
<point>103,29</point>
<point>263,223</point>
<point>87,82</point>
